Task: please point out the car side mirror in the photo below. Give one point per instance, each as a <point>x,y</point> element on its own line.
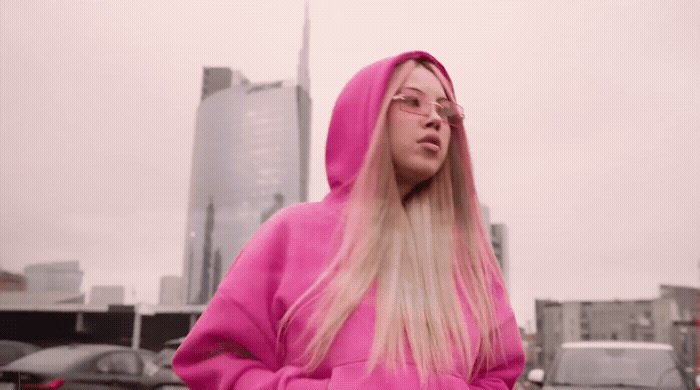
<point>536,375</point>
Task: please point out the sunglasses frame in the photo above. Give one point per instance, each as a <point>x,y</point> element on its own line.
<point>452,114</point>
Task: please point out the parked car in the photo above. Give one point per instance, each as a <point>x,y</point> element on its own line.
<point>165,355</point>
<point>12,350</point>
<point>87,366</point>
<point>615,365</point>
<point>164,362</point>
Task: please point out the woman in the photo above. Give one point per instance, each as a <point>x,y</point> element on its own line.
<point>389,282</point>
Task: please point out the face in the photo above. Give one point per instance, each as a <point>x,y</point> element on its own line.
<point>418,142</point>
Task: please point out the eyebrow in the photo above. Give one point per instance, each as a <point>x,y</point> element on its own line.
<point>421,91</point>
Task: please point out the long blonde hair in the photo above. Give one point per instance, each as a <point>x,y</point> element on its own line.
<point>421,253</point>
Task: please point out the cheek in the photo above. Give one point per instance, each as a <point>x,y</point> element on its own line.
<point>398,135</point>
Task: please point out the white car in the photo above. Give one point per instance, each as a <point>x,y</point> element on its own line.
<point>615,365</point>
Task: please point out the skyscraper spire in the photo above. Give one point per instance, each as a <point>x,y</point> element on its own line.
<point>303,79</point>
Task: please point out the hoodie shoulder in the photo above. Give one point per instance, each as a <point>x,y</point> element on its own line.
<point>305,215</point>
<point>299,232</point>
<point>290,244</point>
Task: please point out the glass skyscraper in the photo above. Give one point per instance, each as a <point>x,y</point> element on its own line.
<point>250,158</point>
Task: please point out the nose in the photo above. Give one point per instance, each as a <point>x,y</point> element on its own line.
<point>434,120</point>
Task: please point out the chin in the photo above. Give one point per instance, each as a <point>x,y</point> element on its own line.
<point>417,174</point>
<point>426,170</point>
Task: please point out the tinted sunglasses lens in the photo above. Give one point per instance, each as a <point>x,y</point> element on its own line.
<point>447,111</point>
<point>417,104</point>
<point>455,114</point>
<point>412,103</point>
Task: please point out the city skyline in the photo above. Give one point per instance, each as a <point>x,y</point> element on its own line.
<point>582,122</point>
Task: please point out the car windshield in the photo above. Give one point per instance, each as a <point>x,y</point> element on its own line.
<point>617,367</point>
<point>50,360</point>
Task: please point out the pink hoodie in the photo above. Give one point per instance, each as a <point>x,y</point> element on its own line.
<point>286,255</point>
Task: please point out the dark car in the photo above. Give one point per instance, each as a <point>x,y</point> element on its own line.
<point>87,366</point>
<point>12,350</point>
<point>614,365</point>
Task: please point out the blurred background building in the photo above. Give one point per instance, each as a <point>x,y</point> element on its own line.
<point>498,237</point>
<point>499,242</point>
<point>43,283</point>
<point>65,276</point>
<point>106,295</point>
<point>250,158</point>
<point>171,290</point>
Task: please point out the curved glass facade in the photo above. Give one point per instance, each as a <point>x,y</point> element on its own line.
<point>250,159</point>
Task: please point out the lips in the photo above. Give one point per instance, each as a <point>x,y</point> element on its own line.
<point>430,139</point>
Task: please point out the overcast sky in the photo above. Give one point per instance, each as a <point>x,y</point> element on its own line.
<point>583,119</point>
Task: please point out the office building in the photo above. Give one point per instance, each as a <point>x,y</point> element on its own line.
<point>250,158</point>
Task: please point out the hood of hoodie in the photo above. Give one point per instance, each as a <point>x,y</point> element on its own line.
<point>354,117</point>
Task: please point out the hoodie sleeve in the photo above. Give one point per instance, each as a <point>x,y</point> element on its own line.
<point>232,345</point>
<point>509,357</point>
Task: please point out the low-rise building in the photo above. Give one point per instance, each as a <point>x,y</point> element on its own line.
<point>64,276</point>
<point>107,295</point>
